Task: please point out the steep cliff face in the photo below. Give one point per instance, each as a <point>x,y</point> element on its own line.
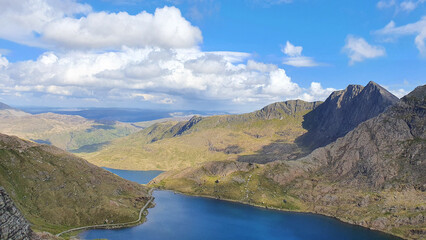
<point>343,111</point>
<point>12,223</point>
<point>386,151</point>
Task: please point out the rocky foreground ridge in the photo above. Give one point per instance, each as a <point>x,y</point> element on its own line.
<point>374,176</point>
<point>13,225</point>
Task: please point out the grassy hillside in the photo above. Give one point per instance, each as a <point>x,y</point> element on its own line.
<point>72,133</point>
<point>56,191</point>
<point>174,145</point>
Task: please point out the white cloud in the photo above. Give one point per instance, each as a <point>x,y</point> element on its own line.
<point>26,18</point>
<point>316,92</point>
<point>399,92</point>
<point>165,76</point>
<point>295,57</point>
<point>291,50</point>
<point>358,50</point>
<point>165,28</point>
<point>53,24</point>
<point>418,29</point>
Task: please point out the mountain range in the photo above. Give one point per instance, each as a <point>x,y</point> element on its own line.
<point>359,156</point>
<point>373,176</point>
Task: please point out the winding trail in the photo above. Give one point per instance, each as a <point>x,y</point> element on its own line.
<point>115,225</point>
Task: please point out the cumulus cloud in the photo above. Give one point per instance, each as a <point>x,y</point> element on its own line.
<point>155,75</point>
<point>418,29</point>
<point>358,50</point>
<point>143,58</point>
<point>26,18</point>
<point>295,58</point>
<point>316,92</point>
<point>54,24</point>
<point>165,28</point>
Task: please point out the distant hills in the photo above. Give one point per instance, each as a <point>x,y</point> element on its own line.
<point>72,133</point>
<point>55,190</point>
<point>374,176</point>
<point>129,115</point>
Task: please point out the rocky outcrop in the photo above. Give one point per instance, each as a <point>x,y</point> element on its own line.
<point>282,109</point>
<point>187,126</point>
<point>389,149</point>
<point>343,111</point>
<point>12,223</point>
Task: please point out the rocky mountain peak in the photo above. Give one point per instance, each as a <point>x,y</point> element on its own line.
<point>343,111</point>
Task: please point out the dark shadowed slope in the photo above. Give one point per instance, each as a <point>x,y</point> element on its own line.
<point>343,111</point>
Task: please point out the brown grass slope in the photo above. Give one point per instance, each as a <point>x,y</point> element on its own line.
<point>56,190</point>
<point>374,176</point>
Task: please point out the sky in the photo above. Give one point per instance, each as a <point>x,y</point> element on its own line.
<point>224,55</point>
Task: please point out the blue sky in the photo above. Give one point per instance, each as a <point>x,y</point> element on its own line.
<point>222,55</point>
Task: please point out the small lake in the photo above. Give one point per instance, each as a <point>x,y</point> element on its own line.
<point>178,216</point>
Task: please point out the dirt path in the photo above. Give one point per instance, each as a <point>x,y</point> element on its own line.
<point>115,225</point>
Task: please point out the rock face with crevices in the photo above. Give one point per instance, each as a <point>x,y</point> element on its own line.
<point>12,223</point>
<point>343,111</point>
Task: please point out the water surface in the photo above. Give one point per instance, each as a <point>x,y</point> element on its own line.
<point>178,216</point>
<point>142,177</point>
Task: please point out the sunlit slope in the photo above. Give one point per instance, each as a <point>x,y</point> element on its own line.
<point>174,145</point>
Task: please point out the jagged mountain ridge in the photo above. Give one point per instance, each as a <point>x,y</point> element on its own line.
<point>56,190</point>
<point>342,111</point>
<point>374,176</point>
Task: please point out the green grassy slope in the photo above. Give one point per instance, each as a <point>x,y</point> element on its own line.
<point>56,190</point>
<point>173,145</point>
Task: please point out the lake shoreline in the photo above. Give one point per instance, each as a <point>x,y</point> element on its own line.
<point>280,209</point>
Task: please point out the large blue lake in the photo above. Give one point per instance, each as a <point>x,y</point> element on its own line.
<point>177,216</point>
